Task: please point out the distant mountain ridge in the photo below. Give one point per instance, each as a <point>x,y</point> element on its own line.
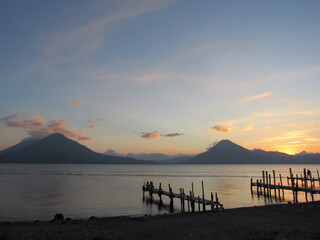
<point>56,148</point>
<point>227,152</point>
<point>158,157</point>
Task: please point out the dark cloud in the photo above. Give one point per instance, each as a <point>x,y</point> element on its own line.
<point>150,135</point>
<point>156,134</point>
<point>37,127</point>
<point>172,134</point>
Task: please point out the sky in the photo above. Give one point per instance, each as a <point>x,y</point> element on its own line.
<point>169,76</point>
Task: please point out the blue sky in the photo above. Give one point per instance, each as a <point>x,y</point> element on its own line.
<point>161,76</point>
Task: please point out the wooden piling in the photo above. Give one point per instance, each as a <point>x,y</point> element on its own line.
<point>217,200</point>
<point>212,206</point>
<point>263,180</point>
<point>297,185</point>
<point>270,194</point>
<point>203,202</point>
<point>281,185</point>
<point>267,182</point>
<point>274,183</point>
<point>192,201</point>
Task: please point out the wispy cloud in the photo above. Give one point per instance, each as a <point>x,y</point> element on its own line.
<point>172,134</point>
<point>92,126</point>
<point>37,127</point>
<point>296,113</point>
<point>256,97</point>
<point>248,127</point>
<point>77,103</point>
<point>221,128</point>
<point>79,39</point>
<point>292,76</point>
<point>300,134</point>
<point>156,134</point>
<point>148,78</point>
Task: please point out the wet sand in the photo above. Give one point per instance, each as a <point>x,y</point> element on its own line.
<point>285,221</point>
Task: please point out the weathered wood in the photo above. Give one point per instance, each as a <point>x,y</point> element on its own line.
<point>281,185</point>
<point>191,200</point>
<point>274,182</point>
<point>263,180</point>
<point>203,202</point>
<point>212,206</point>
<point>294,185</point>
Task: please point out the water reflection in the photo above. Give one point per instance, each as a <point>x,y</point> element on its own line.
<point>38,191</point>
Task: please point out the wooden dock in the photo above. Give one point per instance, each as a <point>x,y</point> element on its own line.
<point>268,186</point>
<point>191,199</point>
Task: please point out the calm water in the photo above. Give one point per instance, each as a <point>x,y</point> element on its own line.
<point>39,191</point>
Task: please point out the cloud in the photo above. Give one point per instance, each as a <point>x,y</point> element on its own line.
<point>156,134</point>
<point>77,40</point>
<point>92,126</point>
<point>150,135</point>
<point>172,134</point>
<point>221,128</point>
<point>213,144</point>
<point>37,127</point>
<point>147,78</point>
<point>77,103</point>
<point>248,127</point>
<point>97,120</point>
<point>255,97</point>
<point>297,113</point>
<point>292,76</point>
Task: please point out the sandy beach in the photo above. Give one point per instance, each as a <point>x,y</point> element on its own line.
<point>285,221</point>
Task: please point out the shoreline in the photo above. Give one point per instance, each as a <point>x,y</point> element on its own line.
<point>277,221</point>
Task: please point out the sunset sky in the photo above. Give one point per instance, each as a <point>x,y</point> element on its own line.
<point>161,76</point>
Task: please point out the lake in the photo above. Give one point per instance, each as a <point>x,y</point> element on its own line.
<point>39,191</point>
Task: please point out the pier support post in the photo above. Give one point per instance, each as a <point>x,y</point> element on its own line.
<point>270,186</point>
<point>281,186</point>
<point>274,183</point>
<point>203,201</point>
<point>263,181</point>
<point>192,201</point>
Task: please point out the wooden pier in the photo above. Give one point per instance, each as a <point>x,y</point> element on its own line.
<point>191,199</point>
<point>268,186</point>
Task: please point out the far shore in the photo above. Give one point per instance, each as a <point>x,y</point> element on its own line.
<point>279,221</point>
